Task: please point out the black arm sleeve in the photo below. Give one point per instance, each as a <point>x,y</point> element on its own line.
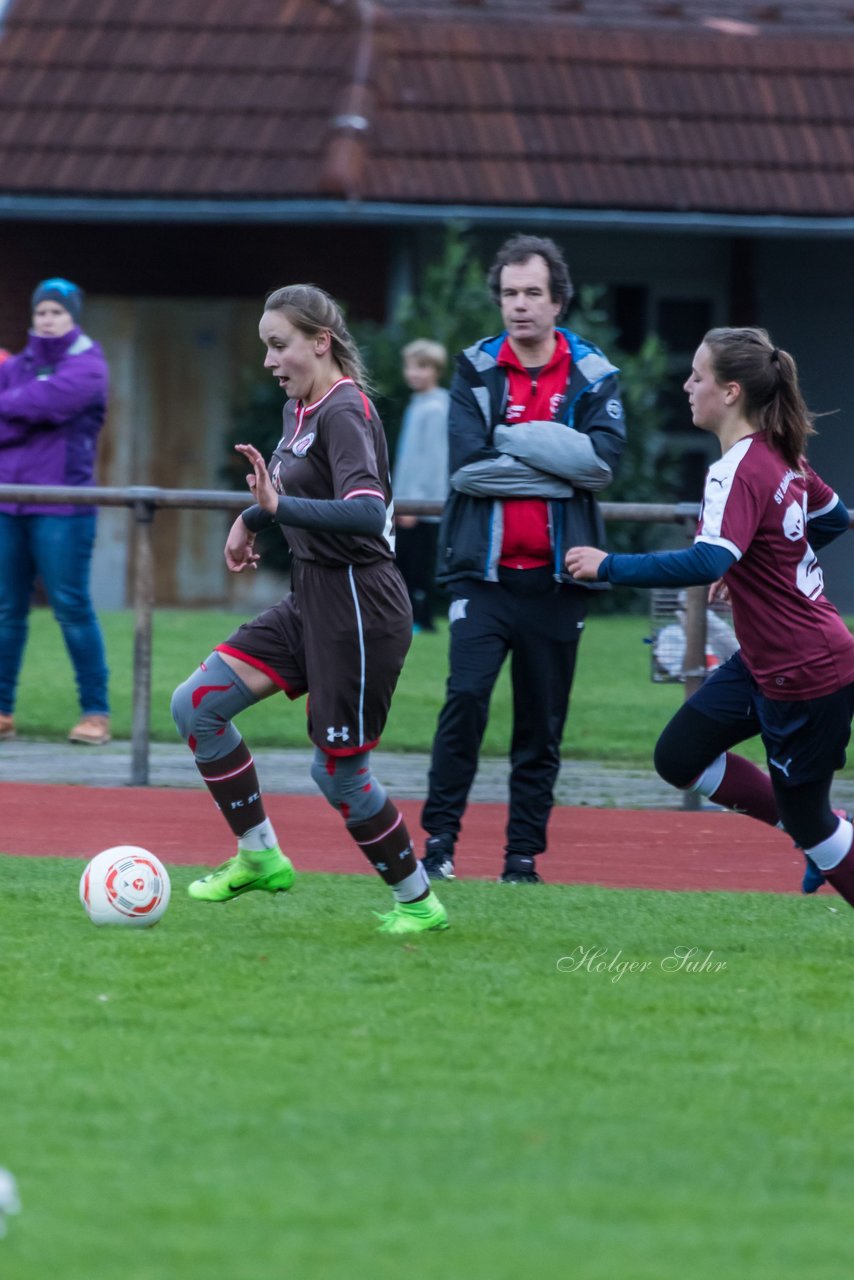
<point>823,529</point>
<point>256,518</point>
<point>365,515</point>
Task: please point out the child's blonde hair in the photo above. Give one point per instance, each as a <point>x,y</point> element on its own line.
<point>426,351</point>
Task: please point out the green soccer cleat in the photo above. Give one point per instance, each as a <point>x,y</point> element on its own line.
<point>414,917</point>
<point>235,877</point>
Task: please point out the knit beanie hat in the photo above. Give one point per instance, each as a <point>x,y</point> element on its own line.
<point>68,295</point>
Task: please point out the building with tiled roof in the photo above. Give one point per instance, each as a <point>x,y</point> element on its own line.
<point>636,105</point>
<point>182,157</point>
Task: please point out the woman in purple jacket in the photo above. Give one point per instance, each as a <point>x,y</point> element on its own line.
<point>53,399</point>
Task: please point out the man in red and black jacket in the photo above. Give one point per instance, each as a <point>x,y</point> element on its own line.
<point>536,426</point>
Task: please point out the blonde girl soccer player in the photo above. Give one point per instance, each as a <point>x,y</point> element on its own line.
<point>765,511</point>
<point>340,636</point>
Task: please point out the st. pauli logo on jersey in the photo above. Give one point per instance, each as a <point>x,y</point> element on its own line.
<point>302,446</point>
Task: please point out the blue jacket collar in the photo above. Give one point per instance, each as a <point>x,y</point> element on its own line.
<point>592,363</point>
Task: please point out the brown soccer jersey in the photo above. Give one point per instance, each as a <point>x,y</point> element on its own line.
<point>343,632</point>
<point>334,448</point>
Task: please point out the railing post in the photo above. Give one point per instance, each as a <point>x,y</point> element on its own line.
<point>143,603</point>
<point>694,663</point>
<point>695,639</point>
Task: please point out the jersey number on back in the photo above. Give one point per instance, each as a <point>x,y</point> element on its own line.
<point>809,577</point>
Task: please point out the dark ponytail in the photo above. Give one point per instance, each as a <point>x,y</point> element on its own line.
<point>768,377</point>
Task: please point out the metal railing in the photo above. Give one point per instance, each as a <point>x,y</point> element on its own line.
<point>145,501</point>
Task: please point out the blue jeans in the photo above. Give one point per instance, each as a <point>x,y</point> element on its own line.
<point>59,550</point>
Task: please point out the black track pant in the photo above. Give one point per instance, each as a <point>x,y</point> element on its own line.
<point>541,632</point>
<point>416,559</point>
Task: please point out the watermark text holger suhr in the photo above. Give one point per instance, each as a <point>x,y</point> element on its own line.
<point>600,960</point>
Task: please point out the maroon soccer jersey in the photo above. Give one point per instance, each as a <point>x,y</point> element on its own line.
<point>334,448</point>
<point>792,639</point>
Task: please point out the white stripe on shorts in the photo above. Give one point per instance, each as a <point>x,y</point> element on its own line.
<point>355,596</point>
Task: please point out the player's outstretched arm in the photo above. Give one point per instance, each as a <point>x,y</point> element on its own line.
<point>360,514</point>
<point>702,563</point>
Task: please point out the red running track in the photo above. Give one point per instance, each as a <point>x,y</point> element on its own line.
<point>618,848</point>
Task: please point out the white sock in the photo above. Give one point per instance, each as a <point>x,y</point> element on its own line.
<point>710,779</point>
<point>413,887</point>
<point>831,851</point>
<point>258,839</point>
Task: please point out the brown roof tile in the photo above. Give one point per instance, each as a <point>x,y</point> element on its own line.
<point>707,105</point>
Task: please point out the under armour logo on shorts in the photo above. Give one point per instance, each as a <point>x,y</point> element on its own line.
<point>332,733</point>
<point>457,611</point>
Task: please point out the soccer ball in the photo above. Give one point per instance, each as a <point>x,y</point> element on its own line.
<point>125,885</point>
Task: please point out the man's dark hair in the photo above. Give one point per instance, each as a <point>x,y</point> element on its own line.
<point>520,248</point>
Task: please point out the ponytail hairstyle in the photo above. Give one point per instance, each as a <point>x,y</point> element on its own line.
<point>768,377</point>
<point>312,310</point>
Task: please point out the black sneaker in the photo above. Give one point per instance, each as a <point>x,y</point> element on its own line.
<point>519,869</point>
<point>438,860</point>
<point>813,878</point>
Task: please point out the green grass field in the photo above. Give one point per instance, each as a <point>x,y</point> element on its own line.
<point>270,1090</point>
<point>616,713</point>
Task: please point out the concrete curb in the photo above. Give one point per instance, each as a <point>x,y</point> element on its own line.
<point>404,774</point>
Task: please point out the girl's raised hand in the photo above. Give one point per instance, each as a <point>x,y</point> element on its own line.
<point>259,478</point>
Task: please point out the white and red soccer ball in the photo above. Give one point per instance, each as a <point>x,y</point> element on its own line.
<point>125,885</point>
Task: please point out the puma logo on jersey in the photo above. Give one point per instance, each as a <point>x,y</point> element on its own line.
<point>784,768</point>
<point>302,446</point>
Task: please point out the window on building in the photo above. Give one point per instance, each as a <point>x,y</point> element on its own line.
<point>679,316</point>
